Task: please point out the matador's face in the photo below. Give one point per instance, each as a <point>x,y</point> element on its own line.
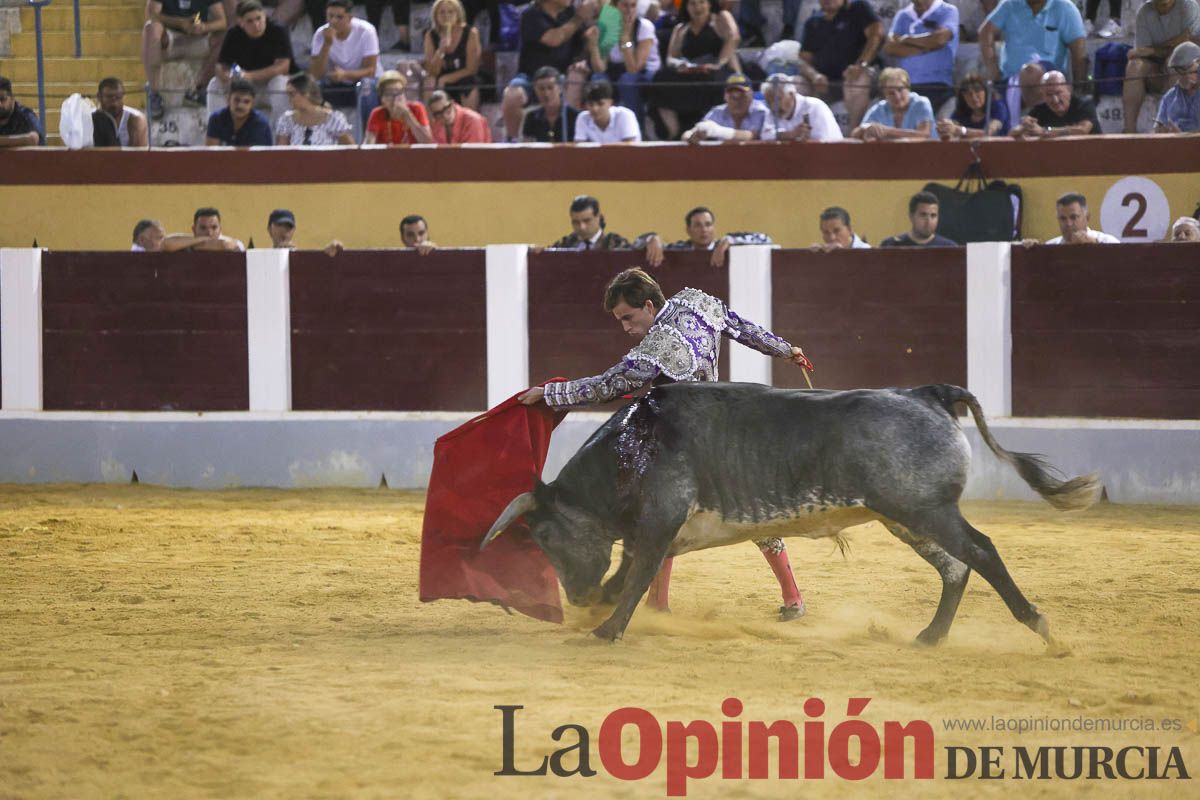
<point>635,321</point>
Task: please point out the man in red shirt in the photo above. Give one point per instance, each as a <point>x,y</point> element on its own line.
<point>454,124</point>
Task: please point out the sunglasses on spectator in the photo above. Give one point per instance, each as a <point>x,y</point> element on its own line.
<point>393,94</point>
<point>437,112</point>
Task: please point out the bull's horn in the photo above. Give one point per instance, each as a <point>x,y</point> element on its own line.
<point>521,504</point>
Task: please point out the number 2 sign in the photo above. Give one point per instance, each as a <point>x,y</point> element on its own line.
<point>1135,209</point>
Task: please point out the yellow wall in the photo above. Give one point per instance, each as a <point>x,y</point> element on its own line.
<point>366,215</point>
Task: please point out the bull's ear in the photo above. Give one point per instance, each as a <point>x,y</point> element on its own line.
<point>521,504</point>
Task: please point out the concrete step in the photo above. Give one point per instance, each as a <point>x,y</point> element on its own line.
<point>62,44</point>
<point>122,16</point>
<point>73,70</point>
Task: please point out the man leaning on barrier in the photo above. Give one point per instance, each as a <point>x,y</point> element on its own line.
<point>1061,113</point>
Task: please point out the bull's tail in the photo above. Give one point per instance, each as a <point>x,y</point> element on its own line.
<point>1074,494</point>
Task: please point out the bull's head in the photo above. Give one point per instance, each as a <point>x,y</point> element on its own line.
<point>576,543</point>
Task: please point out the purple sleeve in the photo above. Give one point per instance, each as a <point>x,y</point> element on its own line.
<point>627,376</point>
<point>755,336</point>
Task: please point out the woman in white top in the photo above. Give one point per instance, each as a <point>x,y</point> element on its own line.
<point>310,123</point>
<point>603,122</point>
<point>633,60</point>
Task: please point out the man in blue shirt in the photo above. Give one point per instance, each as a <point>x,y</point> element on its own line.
<point>1179,111</point>
<point>238,124</point>
<point>924,42</point>
<point>739,118</point>
<point>19,126</point>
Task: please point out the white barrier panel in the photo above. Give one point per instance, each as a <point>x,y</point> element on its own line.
<point>507,321</point>
<point>21,329</point>
<point>750,297</point>
<point>989,325</point>
<point>269,329</point>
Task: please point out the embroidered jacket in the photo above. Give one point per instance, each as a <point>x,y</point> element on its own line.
<point>741,237</point>
<point>683,344</point>
<point>607,241</point>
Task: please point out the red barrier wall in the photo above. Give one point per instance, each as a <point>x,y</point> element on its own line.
<point>144,332</point>
<point>389,330</point>
<point>1106,331</point>
<point>871,318</point>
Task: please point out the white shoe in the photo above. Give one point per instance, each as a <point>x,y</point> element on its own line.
<point>1111,30</point>
<point>1088,27</point>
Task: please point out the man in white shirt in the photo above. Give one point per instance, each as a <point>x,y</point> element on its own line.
<point>345,50</point>
<point>602,122</point>
<point>1073,221</point>
<point>836,233</point>
<point>798,118</point>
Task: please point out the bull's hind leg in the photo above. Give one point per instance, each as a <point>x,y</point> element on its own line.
<point>947,527</point>
<point>954,581</point>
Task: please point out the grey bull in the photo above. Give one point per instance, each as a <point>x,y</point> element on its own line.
<point>698,465</point>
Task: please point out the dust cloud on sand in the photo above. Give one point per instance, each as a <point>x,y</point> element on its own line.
<point>158,643</point>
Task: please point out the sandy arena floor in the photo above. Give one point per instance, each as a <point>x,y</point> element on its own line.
<point>159,643</point>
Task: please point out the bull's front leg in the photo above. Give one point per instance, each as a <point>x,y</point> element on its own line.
<point>614,585</point>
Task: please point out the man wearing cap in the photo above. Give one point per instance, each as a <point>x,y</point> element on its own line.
<point>1160,28</point>
<point>281,226</point>
<point>1179,111</point>
<point>739,118</point>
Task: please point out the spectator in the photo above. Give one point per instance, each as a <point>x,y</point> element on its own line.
<point>400,16</point>
<point>455,124</point>
<point>1109,30</point>
<point>397,121</point>
<point>206,235</point>
<point>19,126</point>
<point>702,235</point>
<point>452,54</point>
<point>238,124</point>
<point>587,229</point>
<point>345,50</point>
<point>633,60</point>
<point>701,54</point>
<point>414,232</point>
<point>924,42</point>
<point>148,236</point>
<point>259,51</point>
<point>1061,113</point>
<point>1073,219</point>
<point>973,118</point>
<point>752,21</point>
<point>1160,26</point>
<point>544,123</point>
<point>281,227</point>
<point>839,53</point>
<point>177,29</point>
<point>903,115</point>
<point>601,121</point>
<point>1179,111</point>
<point>923,215</point>
<point>551,35</point>
<point>1185,229</point>
<point>740,118</point>
<point>115,124</point>
<point>1034,31</point>
<point>309,122</point>
<point>798,118</point>
<point>836,233</point>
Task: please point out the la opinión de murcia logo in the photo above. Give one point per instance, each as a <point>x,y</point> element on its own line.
<point>852,750</point>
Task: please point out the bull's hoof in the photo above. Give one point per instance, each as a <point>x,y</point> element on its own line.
<point>789,613</point>
<point>607,632</point>
<point>929,638</point>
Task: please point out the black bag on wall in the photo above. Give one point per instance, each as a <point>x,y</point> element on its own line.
<point>978,210</point>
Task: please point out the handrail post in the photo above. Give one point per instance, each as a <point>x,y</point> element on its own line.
<point>78,41</point>
<point>41,75</point>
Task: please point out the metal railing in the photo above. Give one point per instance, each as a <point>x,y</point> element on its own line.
<point>37,6</point>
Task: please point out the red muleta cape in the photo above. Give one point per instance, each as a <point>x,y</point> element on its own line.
<point>477,469</point>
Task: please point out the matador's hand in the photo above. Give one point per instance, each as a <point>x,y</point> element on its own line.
<point>533,396</point>
<point>800,360</point>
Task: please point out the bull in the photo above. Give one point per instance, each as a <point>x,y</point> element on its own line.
<point>691,466</point>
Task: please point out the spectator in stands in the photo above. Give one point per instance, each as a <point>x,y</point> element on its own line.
<point>702,53</point>
<point>740,118</point>
<point>178,29</point>
<point>902,114</point>
<point>310,122</point>
<point>397,120</point>
<point>1109,30</point>
<point>400,15</point>
<point>238,124</point>
<point>972,117</point>
<point>1073,219</point>
<point>924,42</point>
<point>414,232</point>
<point>256,50</point>
<point>1160,26</point>
<point>798,118</point>
<point>455,124</point>
<point>839,53</point>
<point>544,122</point>
<point>752,21</point>
<point>836,233</point>
<point>281,227</point>
<point>702,235</point>
<point>633,60</point>
<point>1185,229</point>
<point>345,51</point>
<point>923,216</point>
<point>1034,31</point>
<point>601,121</point>
<point>551,35</point>
<point>587,229</point>
<point>1061,112</point>
<point>115,124</point>
<point>19,125</point>
<point>206,235</point>
<point>148,236</point>
<point>452,54</point>
<point>1179,111</point>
